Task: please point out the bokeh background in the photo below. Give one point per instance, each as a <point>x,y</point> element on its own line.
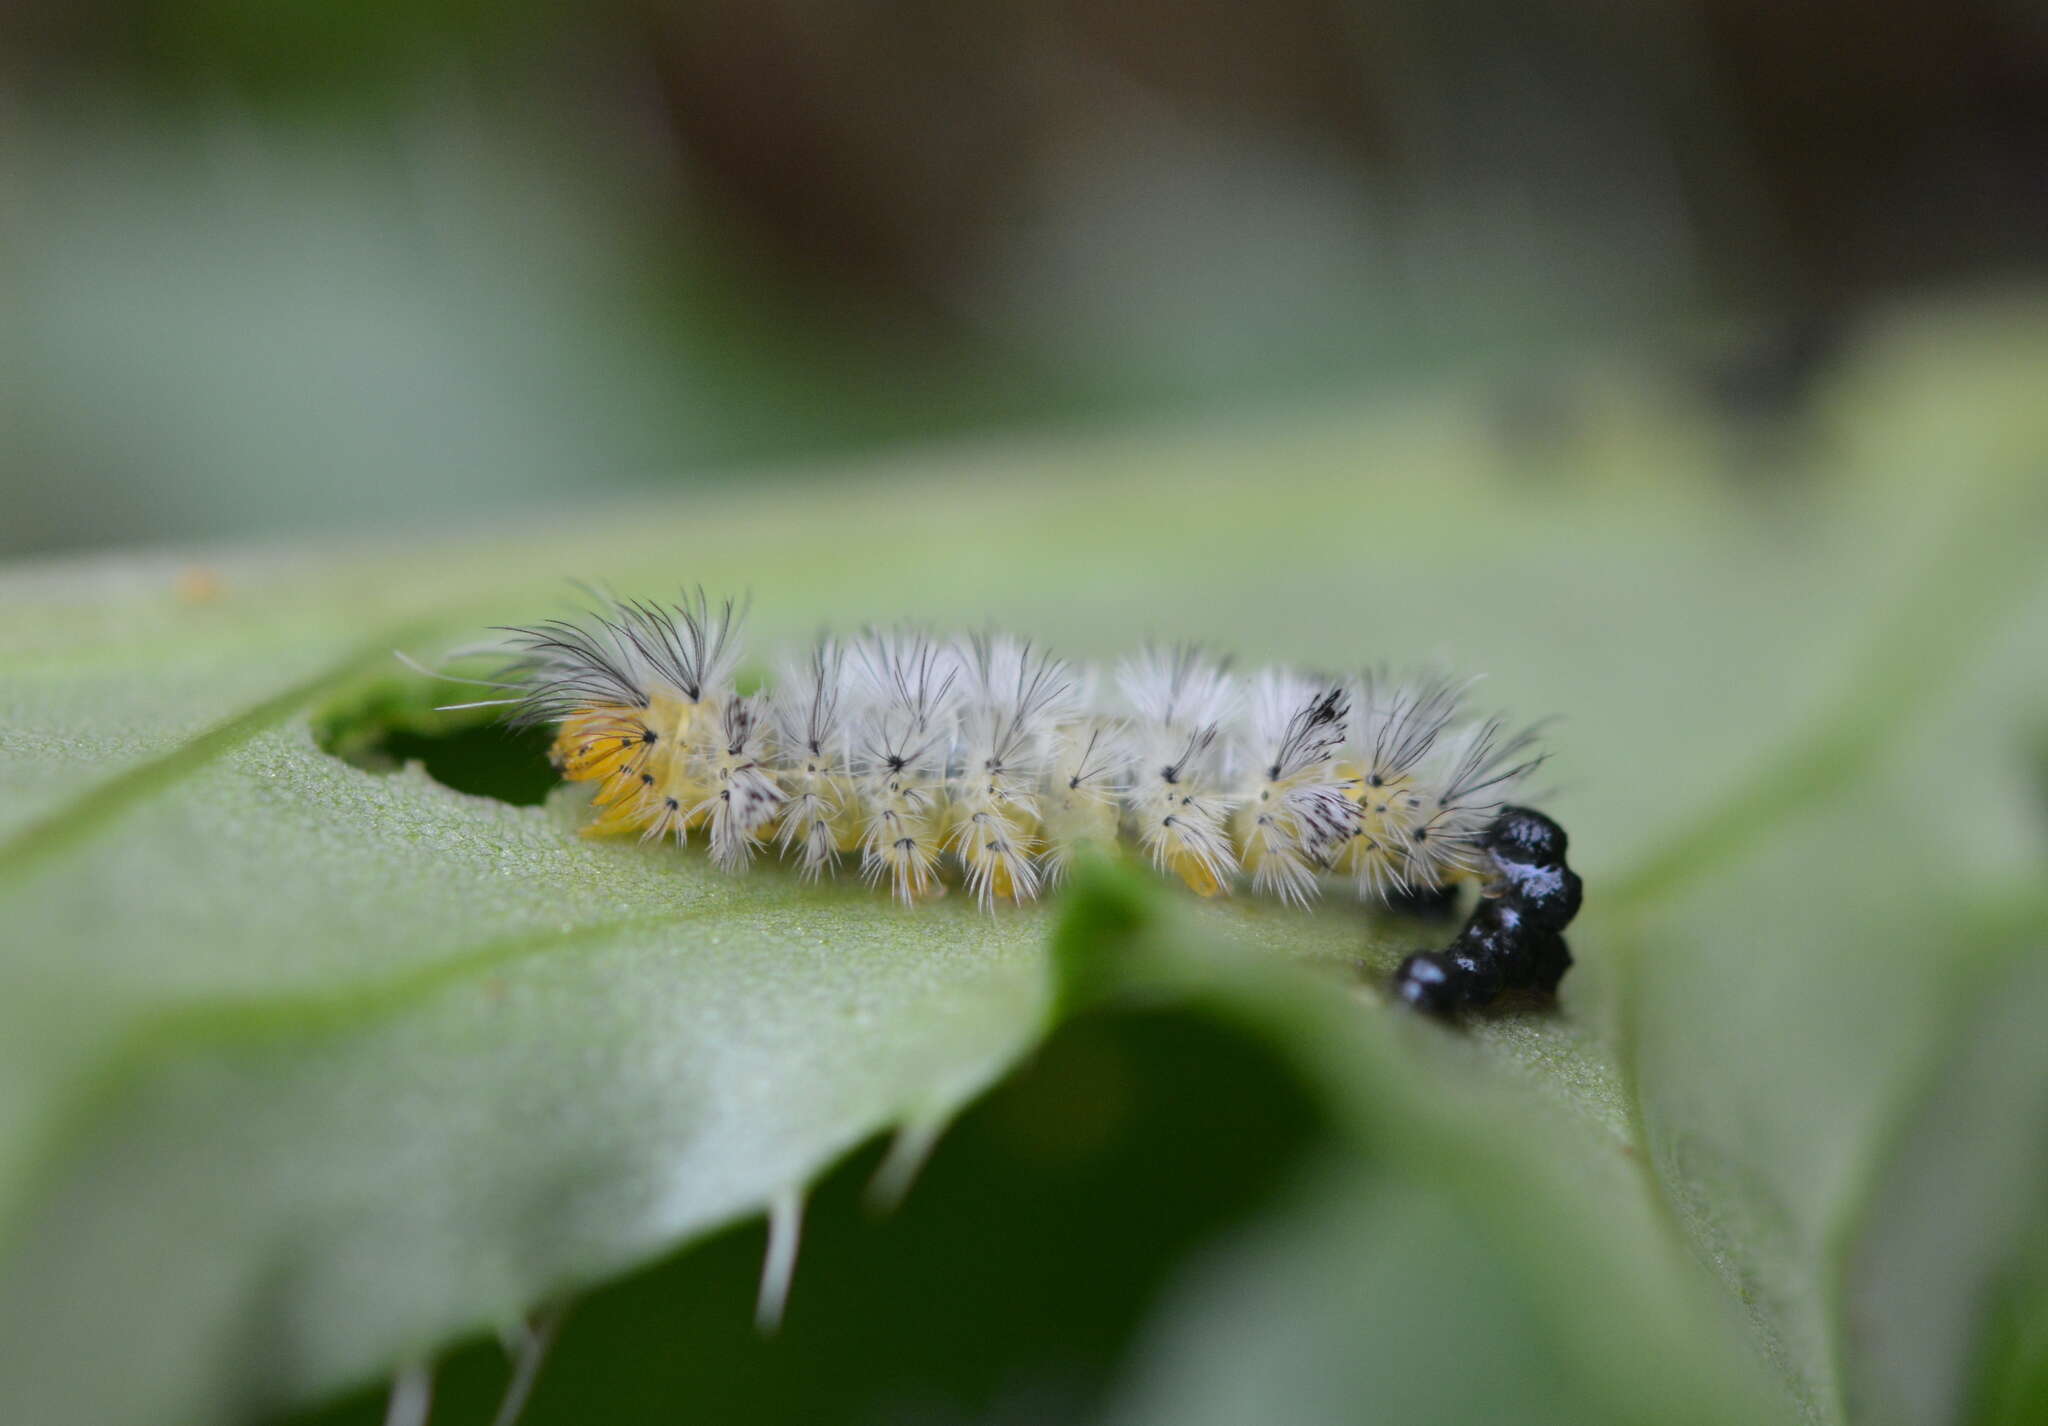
<point>279,266</point>
<point>1677,362</point>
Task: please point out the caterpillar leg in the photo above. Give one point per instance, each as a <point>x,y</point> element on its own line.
<point>1513,940</point>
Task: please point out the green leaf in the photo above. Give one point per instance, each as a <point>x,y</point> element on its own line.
<point>1453,1214</point>
<point>427,1051</point>
<point>307,1069</point>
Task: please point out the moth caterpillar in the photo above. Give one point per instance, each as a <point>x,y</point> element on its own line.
<point>988,761</point>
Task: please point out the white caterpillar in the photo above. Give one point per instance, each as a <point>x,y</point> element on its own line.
<point>991,761</point>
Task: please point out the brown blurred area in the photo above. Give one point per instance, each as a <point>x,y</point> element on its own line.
<point>1822,150</point>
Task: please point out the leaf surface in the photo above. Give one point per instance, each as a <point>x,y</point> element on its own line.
<point>305,1069</point>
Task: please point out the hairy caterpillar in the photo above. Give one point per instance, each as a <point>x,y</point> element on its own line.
<point>990,760</point>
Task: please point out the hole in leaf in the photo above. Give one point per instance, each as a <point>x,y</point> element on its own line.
<point>389,724</point>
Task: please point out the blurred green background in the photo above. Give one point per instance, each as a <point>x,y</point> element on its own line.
<point>298,265</point>
<point>1677,364</point>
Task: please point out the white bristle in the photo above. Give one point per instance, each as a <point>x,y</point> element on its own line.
<point>992,761</point>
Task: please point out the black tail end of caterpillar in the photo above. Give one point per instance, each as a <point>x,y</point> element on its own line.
<point>1513,939</point>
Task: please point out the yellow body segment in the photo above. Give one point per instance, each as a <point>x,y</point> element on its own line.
<point>1001,884</point>
<point>992,834</point>
<point>905,839</point>
<point>1081,817</point>
<point>826,798</point>
<point>1389,809</point>
<point>641,760</point>
<point>1185,839</point>
<point>1195,872</point>
<point>845,818</point>
<point>1263,827</point>
<point>597,742</point>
